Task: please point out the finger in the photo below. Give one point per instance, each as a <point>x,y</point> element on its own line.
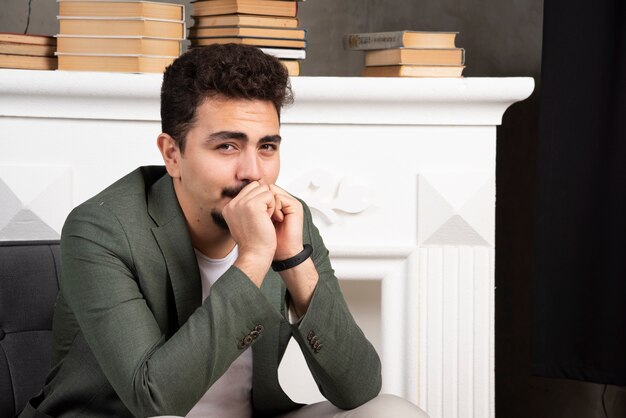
<point>255,191</point>
<point>270,201</point>
<point>247,189</point>
<point>278,216</point>
<point>278,190</point>
<point>260,198</point>
<point>289,204</point>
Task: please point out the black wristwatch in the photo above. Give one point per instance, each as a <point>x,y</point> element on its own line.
<point>293,261</point>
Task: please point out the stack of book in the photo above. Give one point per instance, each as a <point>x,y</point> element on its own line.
<point>27,52</point>
<point>409,54</point>
<point>271,25</point>
<point>119,35</point>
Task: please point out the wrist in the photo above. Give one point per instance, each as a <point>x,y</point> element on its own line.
<point>254,266</point>
<point>284,254</point>
<point>280,264</point>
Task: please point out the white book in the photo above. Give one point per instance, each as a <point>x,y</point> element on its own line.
<point>285,53</point>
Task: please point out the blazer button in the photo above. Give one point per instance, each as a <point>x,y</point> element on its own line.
<point>248,339</point>
<point>310,335</point>
<point>259,328</point>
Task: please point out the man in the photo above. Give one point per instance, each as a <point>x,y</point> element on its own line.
<point>182,285</point>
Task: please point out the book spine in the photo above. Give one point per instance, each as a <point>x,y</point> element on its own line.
<point>380,40</point>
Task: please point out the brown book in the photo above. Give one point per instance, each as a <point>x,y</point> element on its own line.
<point>114,63</point>
<point>246,31</point>
<point>245,20</point>
<point>27,49</point>
<point>27,39</point>
<point>25,62</point>
<point>261,42</point>
<point>138,45</point>
<point>414,71</point>
<point>253,7</point>
<point>399,39</point>
<point>122,27</point>
<point>124,8</point>
<point>403,56</point>
<point>293,67</point>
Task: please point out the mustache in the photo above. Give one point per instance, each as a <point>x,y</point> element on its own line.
<point>234,191</point>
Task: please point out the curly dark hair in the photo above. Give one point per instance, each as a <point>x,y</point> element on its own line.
<point>227,70</point>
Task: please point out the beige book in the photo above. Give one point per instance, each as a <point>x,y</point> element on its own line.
<point>253,7</point>
<point>293,67</point>
<point>122,27</point>
<point>404,56</point>
<point>261,42</point>
<point>114,63</point>
<point>127,8</point>
<point>399,39</point>
<point>27,49</point>
<point>414,71</point>
<point>246,31</point>
<point>117,45</point>
<point>245,20</point>
<point>20,38</point>
<point>25,62</point>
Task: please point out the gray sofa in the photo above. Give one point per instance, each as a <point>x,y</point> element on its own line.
<point>29,283</point>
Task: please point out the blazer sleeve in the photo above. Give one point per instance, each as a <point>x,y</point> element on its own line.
<point>153,374</point>
<point>342,361</point>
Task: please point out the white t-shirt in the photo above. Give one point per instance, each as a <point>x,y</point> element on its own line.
<point>230,394</point>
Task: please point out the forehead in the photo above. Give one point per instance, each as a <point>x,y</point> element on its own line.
<point>220,113</point>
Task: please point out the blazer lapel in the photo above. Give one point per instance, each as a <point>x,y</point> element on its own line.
<point>173,239</point>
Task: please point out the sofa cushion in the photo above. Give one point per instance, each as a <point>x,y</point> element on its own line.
<point>29,273</point>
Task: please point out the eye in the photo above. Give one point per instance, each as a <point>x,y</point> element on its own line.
<point>226,147</point>
<point>268,147</point>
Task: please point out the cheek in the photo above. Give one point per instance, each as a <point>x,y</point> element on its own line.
<point>215,178</point>
<point>272,171</point>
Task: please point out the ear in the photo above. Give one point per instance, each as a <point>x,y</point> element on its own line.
<point>170,153</point>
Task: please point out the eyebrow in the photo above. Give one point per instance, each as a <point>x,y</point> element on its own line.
<point>240,136</point>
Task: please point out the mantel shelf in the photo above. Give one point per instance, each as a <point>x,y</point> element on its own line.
<point>320,100</point>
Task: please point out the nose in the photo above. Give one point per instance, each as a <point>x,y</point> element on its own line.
<point>248,168</point>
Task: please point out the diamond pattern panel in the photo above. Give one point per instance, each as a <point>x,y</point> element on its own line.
<point>456,208</point>
<point>35,201</point>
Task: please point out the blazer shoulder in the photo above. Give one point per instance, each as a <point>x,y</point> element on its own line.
<point>130,189</point>
<point>125,200</point>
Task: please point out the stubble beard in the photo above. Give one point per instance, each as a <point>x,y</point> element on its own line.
<point>219,220</point>
<point>216,216</point>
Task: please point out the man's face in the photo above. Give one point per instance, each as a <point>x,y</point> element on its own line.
<point>232,143</point>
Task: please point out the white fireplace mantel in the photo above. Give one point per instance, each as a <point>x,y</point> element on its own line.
<point>399,173</point>
<point>332,100</point>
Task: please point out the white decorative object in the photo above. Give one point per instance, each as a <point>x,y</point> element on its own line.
<point>35,201</point>
<point>329,197</point>
<point>399,174</point>
<point>452,208</point>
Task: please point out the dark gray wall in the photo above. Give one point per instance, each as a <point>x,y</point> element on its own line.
<point>501,38</point>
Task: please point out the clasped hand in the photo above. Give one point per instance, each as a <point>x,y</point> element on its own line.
<point>266,222</point>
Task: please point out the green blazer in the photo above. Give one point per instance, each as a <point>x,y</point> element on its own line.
<point>132,336</point>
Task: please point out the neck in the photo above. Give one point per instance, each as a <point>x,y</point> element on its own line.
<point>217,245</point>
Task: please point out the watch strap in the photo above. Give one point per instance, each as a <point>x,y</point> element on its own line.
<point>293,261</point>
